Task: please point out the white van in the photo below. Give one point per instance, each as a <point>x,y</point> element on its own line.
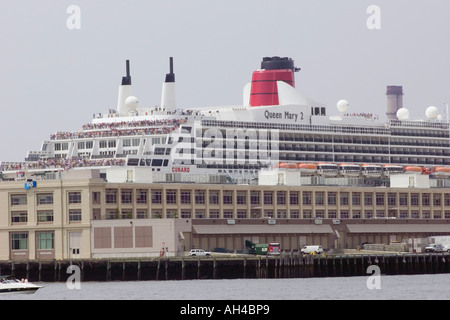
<point>311,249</point>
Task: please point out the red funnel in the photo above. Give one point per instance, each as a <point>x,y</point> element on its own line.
<point>264,90</point>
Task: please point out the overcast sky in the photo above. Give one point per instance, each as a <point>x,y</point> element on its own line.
<point>54,78</point>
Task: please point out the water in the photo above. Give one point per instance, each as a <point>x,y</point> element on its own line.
<point>403,287</point>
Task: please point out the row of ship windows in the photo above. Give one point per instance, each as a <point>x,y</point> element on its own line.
<point>102,144</point>
<point>434,129</point>
<point>363,159</point>
<point>59,146</point>
<point>348,149</point>
<point>253,140</point>
<point>112,143</point>
<point>321,147</point>
<point>322,139</point>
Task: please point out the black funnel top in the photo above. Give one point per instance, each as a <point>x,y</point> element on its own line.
<point>126,81</point>
<point>170,77</point>
<point>277,63</point>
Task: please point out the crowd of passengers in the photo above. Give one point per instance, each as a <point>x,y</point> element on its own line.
<point>146,127</point>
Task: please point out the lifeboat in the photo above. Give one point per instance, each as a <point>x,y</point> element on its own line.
<point>413,169</point>
<point>328,169</point>
<point>371,170</point>
<point>286,165</point>
<point>390,169</point>
<point>349,170</point>
<point>307,167</point>
<point>441,171</point>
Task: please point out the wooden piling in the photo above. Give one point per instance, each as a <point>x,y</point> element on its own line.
<point>59,271</point>
<point>266,269</point>
<point>166,269</point>
<point>138,276</point>
<point>183,269</point>
<point>108,271</point>
<point>198,268</point>
<point>157,269</point>
<point>258,273</point>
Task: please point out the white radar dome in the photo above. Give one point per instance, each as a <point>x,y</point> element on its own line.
<point>343,106</point>
<point>131,102</point>
<point>432,113</point>
<point>403,114</point>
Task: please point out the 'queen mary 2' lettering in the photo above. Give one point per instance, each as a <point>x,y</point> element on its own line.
<point>279,115</point>
<point>181,169</point>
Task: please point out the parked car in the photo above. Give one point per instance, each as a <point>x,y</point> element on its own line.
<point>434,248</point>
<point>199,253</point>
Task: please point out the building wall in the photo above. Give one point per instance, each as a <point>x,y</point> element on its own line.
<point>37,223</point>
<point>240,201</point>
<point>55,220</point>
<point>139,238</point>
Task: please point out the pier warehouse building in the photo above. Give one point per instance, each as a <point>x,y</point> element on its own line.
<point>86,217</point>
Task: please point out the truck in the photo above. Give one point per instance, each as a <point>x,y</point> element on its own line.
<point>434,248</point>
<point>312,250</point>
<point>271,248</point>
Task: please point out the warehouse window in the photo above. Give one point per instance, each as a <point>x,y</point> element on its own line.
<point>43,199</point>
<point>127,196</point>
<point>45,216</point>
<point>19,241</point>
<point>111,196</point>
<point>45,240</point>
<point>74,197</point>
<point>19,217</point>
<point>75,215</point>
<point>18,199</point>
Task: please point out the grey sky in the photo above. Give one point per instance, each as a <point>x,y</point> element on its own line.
<point>54,79</point>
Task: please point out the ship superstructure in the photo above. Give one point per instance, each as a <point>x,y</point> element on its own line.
<point>275,127</point>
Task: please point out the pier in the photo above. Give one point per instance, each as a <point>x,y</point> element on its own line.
<point>287,265</point>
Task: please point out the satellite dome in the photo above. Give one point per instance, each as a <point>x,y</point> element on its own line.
<point>131,102</point>
<point>432,113</point>
<point>403,114</point>
<point>342,106</point>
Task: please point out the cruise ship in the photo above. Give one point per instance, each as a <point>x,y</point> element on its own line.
<point>276,126</point>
